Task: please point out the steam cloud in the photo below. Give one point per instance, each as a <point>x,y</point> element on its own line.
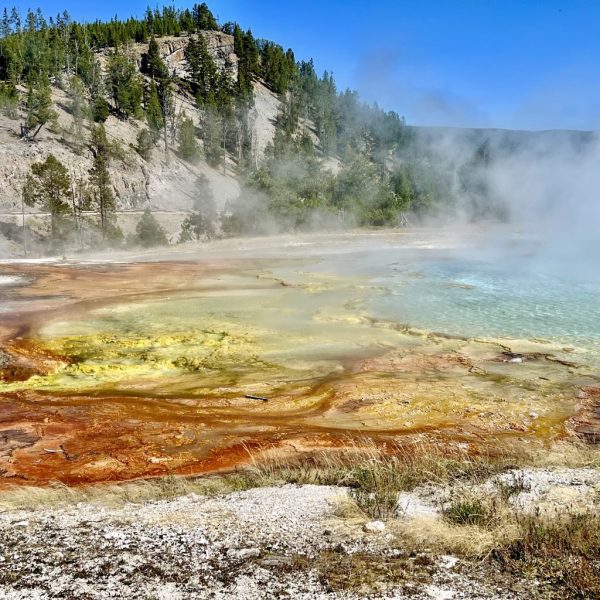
<point>551,188</point>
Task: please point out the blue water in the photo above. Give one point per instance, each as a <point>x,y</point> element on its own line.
<point>487,298</point>
<point>516,291</point>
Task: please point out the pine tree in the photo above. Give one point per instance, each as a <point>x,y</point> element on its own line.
<point>99,104</point>
<point>201,67</point>
<point>167,107</point>
<point>5,28</point>
<point>188,144</point>
<point>100,109</point>
<point>124,83</point>
<point>243,131</point>
<point>159,104</point>
<point>9,99</point>
<point>238,42</point>
<point>78,108</point>
<point>212,135</point>
<point>205,20</point>
<point>152,63</point>
<point>196,227</point>
<point>149,232</point>
<point>40,21</point>
<point>251,53</point>
<point>39,105</point>
<point>49,185</point>
<point>145,143</point>
<point>247,52</point>
<point>30,21</point>
<point>201,223</point>
<point>154,113</point>
<point>101,183</point>
<point>15,20</point>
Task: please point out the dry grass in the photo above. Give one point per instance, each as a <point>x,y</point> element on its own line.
<point>572,453</point>
<point>561,551</point>
<point>115,495</point>
<point>373,473</point>
<point>376,474</point>
<point>367,573</point>
<point>360,573</point>
<point>438,536</point>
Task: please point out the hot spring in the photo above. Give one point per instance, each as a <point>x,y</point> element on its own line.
<point>181,363</point>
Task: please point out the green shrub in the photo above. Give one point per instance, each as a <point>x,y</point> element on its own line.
<point>100,109</point>
<point>149,232</point>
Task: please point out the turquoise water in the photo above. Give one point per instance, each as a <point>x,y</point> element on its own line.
<point>479,298</point>
<point>486,286</point>
<point>477,294</point>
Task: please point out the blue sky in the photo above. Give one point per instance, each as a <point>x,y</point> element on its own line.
<point>530,64</point>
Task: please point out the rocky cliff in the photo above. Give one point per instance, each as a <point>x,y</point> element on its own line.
<point>172,49</point>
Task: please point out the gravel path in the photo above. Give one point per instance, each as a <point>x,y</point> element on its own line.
<point>278,542</point>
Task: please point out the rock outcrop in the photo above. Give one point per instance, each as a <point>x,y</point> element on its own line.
<point>172,51</point>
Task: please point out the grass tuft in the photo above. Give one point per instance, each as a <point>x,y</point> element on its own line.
<point>376,474</point>
<point>561,551</point>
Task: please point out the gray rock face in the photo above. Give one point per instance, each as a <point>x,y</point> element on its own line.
<point>172,51</point>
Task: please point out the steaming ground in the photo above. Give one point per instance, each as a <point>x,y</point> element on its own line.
<point>544,183</point>
<point>291,245</point>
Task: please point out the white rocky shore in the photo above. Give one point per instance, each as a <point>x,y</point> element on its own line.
<point>290,541</point>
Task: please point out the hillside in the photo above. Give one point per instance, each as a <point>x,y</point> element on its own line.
<point>165,183</point>
<point>216,132</point>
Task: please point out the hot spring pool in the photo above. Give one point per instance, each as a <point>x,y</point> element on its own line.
<point>477,298</point>
<point>510,293</point>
